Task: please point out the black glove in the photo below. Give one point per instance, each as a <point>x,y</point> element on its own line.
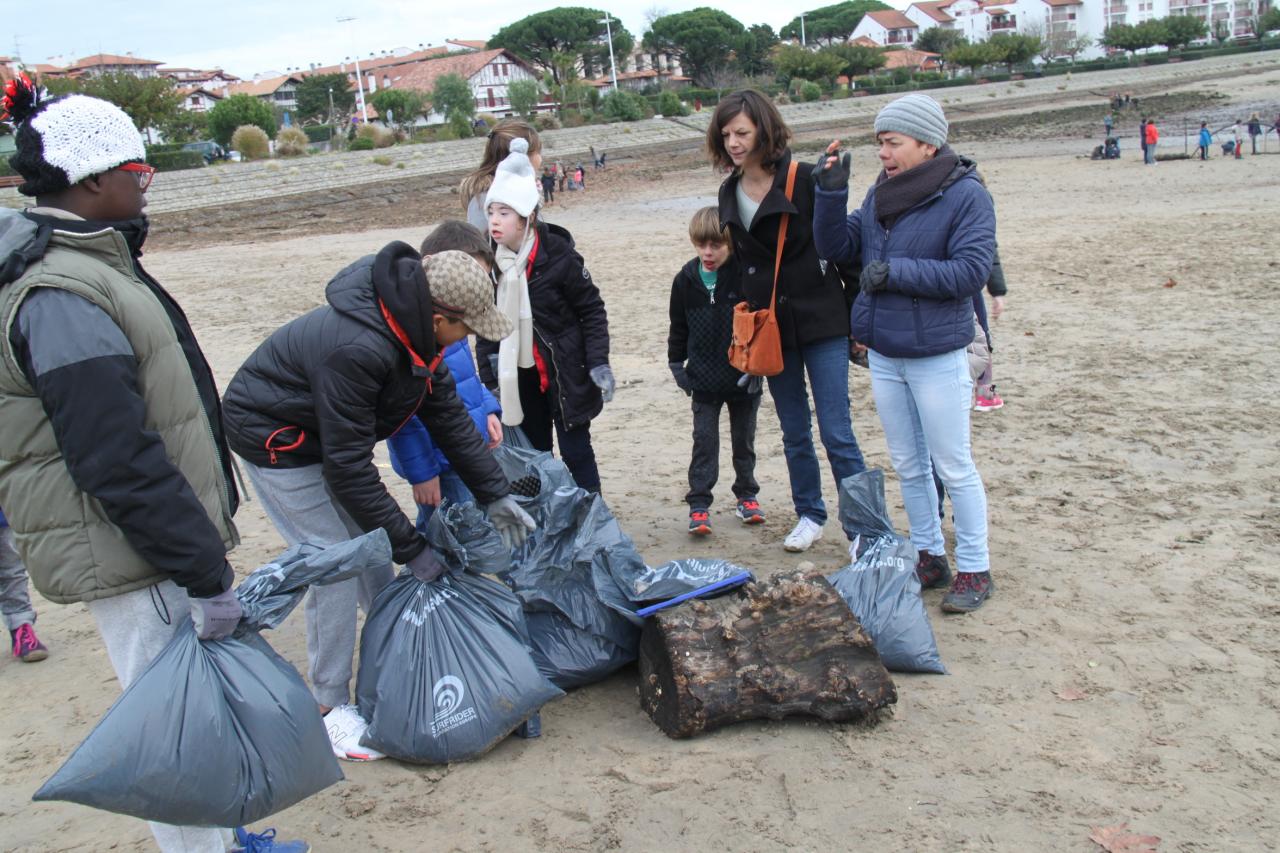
<point>751,384</point>
<point>833,177</point>
<point>875,277</point>
<point>426,567</point>
<point>681,376</point>
<point>215,618</point>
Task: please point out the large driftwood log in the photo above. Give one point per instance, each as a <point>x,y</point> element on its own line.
<point>788,645</point>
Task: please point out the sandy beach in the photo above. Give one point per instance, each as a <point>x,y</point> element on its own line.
<point>1127,669</point>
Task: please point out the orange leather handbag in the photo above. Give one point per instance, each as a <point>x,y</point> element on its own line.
<point>757,342</point>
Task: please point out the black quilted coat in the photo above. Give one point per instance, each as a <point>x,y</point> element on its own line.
<point>326,387</point>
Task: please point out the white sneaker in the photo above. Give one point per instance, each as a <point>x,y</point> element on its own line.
<point>803,535</point>
<point>345,727</point>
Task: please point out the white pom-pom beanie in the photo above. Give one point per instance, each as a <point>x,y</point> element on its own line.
<point>68,139</point>
<point>514,183</point>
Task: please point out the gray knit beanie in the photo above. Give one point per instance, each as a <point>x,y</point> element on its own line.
<point>917,116</point>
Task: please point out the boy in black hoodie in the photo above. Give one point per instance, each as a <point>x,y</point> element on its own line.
<point>702,298</point>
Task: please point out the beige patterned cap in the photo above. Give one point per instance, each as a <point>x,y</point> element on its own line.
<point>462,290</point>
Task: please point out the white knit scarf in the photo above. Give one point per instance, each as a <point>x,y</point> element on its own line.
<point>515,350</point>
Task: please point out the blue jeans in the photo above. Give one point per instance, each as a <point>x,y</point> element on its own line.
<point>827,363</point>
<point>452,489</point>
<point>924,409</point>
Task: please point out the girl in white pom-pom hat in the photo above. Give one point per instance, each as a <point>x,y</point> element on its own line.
<point>553,372</point>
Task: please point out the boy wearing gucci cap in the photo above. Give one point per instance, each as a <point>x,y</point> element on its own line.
<point>309,405</point>
<point>114,471</point>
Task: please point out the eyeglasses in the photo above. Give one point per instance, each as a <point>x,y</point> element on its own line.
<point>144,172</point>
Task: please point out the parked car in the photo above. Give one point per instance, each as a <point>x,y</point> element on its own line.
<point>208,149</point>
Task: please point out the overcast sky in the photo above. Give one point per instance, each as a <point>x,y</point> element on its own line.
<point>250,36</point>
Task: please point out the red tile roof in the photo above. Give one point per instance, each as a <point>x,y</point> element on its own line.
<point>470,44</point>
<point>259,88</point>
<point>422,76</point>
<point>110,59</point>
<point>910,58</point>
<point>1065,2</point>
<point>892,19</point>
<point>934,9</point>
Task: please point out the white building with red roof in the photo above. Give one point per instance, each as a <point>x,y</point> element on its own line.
<point>887,27</point>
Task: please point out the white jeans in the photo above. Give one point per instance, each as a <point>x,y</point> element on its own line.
<point>135,628</point>
<point>924,408</point>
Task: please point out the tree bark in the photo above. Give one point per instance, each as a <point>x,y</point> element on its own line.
<point>788,645</point>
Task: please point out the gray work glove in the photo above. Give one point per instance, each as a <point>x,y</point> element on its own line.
<point>512,523</point>
<point>215,618</point>
<point>602,376</point>
<point>875,277</point>
<point>681,376</point>
<point>426,567</point>
<point>833,177</point>
<point>751,384</point>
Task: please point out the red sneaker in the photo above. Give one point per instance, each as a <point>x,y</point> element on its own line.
<point>699,523</point>
<point>749,511</point>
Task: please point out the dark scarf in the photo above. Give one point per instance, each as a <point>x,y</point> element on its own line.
<point>896,195</point>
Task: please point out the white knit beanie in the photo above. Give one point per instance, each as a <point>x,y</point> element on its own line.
<point>75,136</point>
<point>514,183</point>
<point>917,116</point>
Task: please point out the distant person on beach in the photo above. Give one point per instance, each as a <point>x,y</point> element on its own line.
<point>548,185</point>
<point>1237,136</point>
<point>1107,122</point>
<point>926,235</point>
<point>1152,137</point>
<point>1206,139</point>
<point>1142,138</point>
<point>1255,130</point>
<point>475,185</point>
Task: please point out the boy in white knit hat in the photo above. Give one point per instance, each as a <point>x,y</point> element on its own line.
<point>114,468</point>
<point>553,371</point>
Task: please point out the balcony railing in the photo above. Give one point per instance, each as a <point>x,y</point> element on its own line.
<point>1004,25</point>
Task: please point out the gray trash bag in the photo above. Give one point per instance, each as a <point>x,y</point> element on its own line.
<point>881,587</point>
<point>642,584</point>
<point>464,540</point>
<point>445,672</point>
<point>219,732</point>
<point>588,629</point>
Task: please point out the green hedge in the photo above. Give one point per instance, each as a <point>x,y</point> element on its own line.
<point>360,143</point>
<point>172,161</point>
<point>163,148</point>
<point>318,132</point>
<point>6,170</point>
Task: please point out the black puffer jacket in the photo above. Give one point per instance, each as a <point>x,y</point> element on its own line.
<point>326,387</point>
<point>702,329</point>
<point>570,325</point>
<point>812,304</point>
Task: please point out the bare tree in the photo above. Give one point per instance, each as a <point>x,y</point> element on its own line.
<point>652,14</point>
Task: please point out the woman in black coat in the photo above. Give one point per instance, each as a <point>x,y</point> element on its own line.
<point>748,138</point>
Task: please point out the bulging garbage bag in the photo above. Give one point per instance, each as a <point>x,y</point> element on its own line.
<point>880,586</point>
<point>445,673</point>
<point>219,732</point>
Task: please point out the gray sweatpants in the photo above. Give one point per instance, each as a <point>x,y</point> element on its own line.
<point>15,601</point>
<point>136,627</point>
<point>302,508</point>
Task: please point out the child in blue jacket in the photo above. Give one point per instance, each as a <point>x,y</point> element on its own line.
<point>414,455</point>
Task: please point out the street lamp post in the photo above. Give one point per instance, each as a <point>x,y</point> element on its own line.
<point>364,110</point>
<point>613,66</point>
<point>802,41</point>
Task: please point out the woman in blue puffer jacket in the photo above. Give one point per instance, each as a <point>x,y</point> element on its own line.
<point>926,235</point>
<point>415,457</point>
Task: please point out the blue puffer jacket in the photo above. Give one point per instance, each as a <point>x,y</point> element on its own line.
<point>939,254</point>
<point>414,455</point>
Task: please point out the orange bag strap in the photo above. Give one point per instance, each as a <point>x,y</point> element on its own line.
<point>782,236</point>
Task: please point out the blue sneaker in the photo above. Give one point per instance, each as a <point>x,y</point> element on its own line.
<point>265,842</point>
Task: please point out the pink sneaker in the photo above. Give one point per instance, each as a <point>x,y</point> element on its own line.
<point>27,646</point>
<point>988,402</point>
